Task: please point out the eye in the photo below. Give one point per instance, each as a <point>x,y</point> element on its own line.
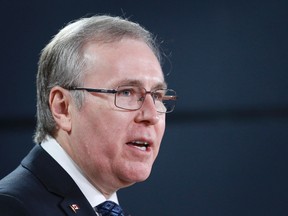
<point>158,95</point>
<point>126,92</point>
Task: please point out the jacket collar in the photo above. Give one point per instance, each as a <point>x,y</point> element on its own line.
<point>57,181</point>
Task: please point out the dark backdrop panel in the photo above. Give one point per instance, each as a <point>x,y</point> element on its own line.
<point>225,147</point>
<point>209,168</point>
<point>222,54</point>
<point>14,146</point>
<point>217,168</point>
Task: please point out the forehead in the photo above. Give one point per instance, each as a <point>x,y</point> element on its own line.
<point>127,61</point>
<point>132,82</point>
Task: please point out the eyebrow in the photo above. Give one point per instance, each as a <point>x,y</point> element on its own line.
<point>160,85</point>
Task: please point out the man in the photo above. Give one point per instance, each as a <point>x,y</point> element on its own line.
<point>101,105</point>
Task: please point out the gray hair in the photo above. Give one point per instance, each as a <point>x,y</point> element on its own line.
<point>62,63</point>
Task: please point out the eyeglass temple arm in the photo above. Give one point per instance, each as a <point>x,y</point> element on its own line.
<point>112,91</point>
<point>170,97</point>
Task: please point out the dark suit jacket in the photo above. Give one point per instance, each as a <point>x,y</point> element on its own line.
<point>41,187</point>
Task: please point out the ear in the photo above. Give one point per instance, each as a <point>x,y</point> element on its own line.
<point>60,102</point>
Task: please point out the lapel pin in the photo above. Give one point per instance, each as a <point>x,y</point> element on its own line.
<point>74,207</point>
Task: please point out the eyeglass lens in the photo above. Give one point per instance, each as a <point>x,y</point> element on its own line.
<point>132,98</point>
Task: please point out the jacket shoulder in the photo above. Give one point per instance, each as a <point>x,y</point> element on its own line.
<point>11,206</point>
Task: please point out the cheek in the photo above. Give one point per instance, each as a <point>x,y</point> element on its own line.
<point>161,127</point>
<point>104,130</point>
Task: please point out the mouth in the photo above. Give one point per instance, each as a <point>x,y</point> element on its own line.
<point>141,145</point>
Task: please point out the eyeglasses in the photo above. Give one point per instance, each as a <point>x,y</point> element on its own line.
<point>132,97</point>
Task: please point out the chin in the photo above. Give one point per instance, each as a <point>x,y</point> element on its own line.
<point>137,175</point>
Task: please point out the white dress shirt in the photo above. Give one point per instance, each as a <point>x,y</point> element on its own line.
<point>90,192</point>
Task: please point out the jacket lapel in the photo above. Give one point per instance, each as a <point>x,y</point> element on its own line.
<point>77,207</point>
<point>57,181</point>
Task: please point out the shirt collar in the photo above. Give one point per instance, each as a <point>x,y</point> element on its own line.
<point>95,197</point>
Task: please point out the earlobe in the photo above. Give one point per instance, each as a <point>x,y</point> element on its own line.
<point>59,101</point>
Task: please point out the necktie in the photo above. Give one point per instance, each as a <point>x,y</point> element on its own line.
<point>109,208</point>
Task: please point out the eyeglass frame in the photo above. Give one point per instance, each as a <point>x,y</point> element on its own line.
<point>114,91</point>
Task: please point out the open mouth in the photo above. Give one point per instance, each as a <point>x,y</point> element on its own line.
<point>141,145</point>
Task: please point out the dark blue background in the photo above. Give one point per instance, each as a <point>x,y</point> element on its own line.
<point>225,148</point>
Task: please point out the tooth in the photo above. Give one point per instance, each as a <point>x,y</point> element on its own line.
<point>141,143</point>
<point>138,142</point>
<point>141,148</point>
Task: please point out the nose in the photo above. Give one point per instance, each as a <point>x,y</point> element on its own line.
<point>148,113</point>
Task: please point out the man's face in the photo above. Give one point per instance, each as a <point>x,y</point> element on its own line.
<point>102,135</point>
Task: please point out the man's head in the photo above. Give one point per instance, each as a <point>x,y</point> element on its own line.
<point>62,62</point>
<point>113,146</point>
